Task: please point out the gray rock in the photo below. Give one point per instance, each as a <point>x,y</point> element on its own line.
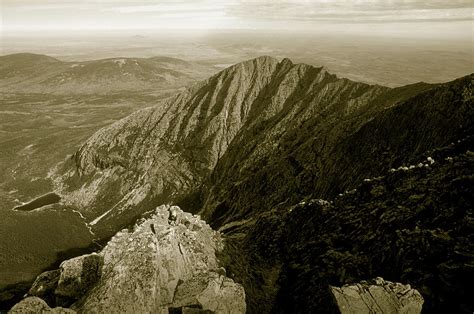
<point>35,305</point>
<point>213,292</point>
<point>170,266</point>
<point>78,275</point>
<point>377,296</point>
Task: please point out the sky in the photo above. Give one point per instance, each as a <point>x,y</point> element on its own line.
<point>449,18</point>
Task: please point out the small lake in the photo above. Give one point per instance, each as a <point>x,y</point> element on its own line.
<point>43,200</point>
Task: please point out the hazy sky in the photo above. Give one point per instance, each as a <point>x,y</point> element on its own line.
<point>451,18</point>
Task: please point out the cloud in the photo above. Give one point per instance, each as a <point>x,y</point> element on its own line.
<point>354,10</point>
<point>271,14</point>
<point>166,8</point>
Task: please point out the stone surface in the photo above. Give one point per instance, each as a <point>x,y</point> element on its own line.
<point>377,296</point>
<point>34,305</point>
<point>211,291</point>
<point>167,261</point>
<point>78,275</point>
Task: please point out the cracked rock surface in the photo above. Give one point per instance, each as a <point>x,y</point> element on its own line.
<point>377,296</point>
<point>167,262</point>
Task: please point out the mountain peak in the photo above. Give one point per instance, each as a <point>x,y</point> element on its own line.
<point>260,64</point>
<point>263,60</point>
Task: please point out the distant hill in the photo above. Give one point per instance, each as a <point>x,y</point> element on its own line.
<point>33,73</point>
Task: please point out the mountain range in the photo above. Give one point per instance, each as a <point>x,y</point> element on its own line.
<point>313,180</point>
<point>33,73</point>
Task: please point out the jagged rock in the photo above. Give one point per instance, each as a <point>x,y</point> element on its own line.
<point>45,285</point>
<point>34,305</point>
<point>211,291</point>
<point>167,261</point>
<point>78,275</point>
<point>377,296</point>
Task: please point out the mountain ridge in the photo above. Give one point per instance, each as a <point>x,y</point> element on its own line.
<point>191,131</point>
<point>36,73</point>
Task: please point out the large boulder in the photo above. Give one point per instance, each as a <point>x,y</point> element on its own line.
<point>377,296</point>
<point>77,276</point>
<point>33,305</point>
<point>211,291</point>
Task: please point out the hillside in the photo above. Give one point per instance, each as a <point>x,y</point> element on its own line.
<point>413,224</point>
<point>329,152</point>
<point>32,73</point>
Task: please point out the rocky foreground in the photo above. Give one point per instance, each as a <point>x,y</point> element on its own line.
<point>166,263</point>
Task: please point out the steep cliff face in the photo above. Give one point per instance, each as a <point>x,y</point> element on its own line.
<point>163,153</point>
<point>167,262</point>
<point>255,135</point>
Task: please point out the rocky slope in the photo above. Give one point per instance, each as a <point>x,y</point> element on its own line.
<point>412,225</point>
<point>166,263</point>
<point>325,153</point>
<point>31,73</point>
<point>246,144</point>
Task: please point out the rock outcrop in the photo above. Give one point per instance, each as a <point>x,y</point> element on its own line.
<point>167,262</point>
<point>45,285</point>
<point>377,296</point>
<point>77,276</point>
